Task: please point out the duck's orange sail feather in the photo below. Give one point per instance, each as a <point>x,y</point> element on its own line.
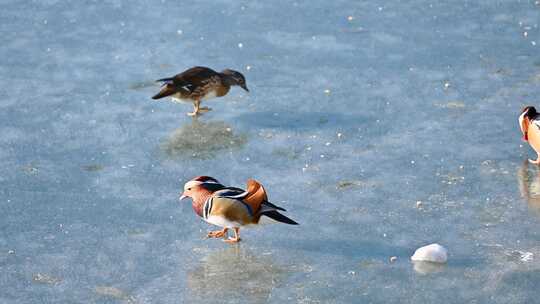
<point>256,195</point>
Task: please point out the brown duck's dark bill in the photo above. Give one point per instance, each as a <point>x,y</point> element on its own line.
<point>243,86</point>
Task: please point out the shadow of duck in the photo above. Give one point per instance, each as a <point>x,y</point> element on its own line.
<point>202,140</point>
<point>235,272</point>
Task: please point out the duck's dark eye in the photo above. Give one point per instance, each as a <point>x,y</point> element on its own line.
<point>189,189</point>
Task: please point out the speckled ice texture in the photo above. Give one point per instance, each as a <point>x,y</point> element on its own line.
<point>381,126</point>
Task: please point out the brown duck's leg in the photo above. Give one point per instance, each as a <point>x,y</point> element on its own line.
<point>196,108</point>
<point>218,233</point>
<point>236,237</point>
<point>205,109</point>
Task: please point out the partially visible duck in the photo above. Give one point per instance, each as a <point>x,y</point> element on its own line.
<point>529,122</point>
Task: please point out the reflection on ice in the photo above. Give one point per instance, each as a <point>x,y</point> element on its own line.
<point>202,139</point>
<point>529,185</point>
<point>233,273</point>
<point>114,293</point>
<point>422,267</point>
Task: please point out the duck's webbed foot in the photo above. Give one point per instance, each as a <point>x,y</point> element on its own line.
<point>196,108</point>
<point>218,233</point>
<point>535,162</point>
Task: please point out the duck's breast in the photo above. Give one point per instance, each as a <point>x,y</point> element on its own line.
<point>180,98</point>
<point>534,135</point>
<point>211,94</point>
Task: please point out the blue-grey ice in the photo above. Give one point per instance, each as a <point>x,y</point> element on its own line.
<point>357,111</point>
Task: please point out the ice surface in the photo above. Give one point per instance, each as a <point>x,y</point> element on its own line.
<point>349,123</point>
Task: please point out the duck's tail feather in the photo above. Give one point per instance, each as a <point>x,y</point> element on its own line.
<point>273,214</point>
<point>165,79</point>
<point>273,206</point>
<point>166,90</point>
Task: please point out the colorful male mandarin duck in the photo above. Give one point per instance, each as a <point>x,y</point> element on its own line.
<point>200,83</point>
<point>529,122</point>
<point>230,207</point>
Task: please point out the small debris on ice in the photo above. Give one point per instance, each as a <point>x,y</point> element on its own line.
<point>526,256</point>
<point>45,279</point>
<point>523,256</point>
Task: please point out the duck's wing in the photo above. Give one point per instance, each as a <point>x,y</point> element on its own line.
<point>255,196</point>
<point>235,205</point>
<point>226,208</point>
<point>536,122</point>
<point>186,82</point>
<point>231,192</point>
<point>193,78</point>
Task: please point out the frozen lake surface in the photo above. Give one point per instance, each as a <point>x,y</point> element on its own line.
<point>381,126</point>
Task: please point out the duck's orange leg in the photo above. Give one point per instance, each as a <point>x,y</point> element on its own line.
<point>218,233</point>
<point>204,109</point>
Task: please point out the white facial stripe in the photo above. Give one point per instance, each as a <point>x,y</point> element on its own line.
<point>193,183</point>
<point>521,118</point>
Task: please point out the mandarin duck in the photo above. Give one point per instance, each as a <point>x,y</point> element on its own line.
<point>199,83</point>
<point>230,207</point>
<point>529,122</point>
